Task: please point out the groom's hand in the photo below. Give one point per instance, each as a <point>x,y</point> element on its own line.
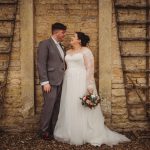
<point>47,87</point>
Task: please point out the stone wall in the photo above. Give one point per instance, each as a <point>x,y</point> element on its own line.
<point>120,116</point>
<point>12,105</point>
<point>78,15</point>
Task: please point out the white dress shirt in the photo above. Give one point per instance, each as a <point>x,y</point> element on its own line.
<point>61,53</point>
<point>59,48</point>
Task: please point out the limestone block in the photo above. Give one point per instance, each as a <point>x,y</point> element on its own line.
<point>131,2</point>
<point>119,110</point>
<point>88,1</point>
<point>117,72</point>
<point>117,86</point>
<point>11,122</point>
<point>117,80</point>
<point>120,99</point>
<point>120,118</point>
<point>119,102</point>
<point>90,6</point>
<point>133,31</point>
<point>118,92</point>
<point>131,15</point>
<point>136,63</point>
<point>13,75</point>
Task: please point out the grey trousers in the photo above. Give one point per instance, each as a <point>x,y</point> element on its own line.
<point>50,109</point>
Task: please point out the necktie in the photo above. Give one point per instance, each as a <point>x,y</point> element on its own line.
<point>61,46</point>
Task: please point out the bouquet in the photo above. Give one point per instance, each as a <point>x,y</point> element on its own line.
<point>90,100</point>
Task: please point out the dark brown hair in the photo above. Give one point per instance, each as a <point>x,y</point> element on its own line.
<point>84,38</point>
<point>58,26</point>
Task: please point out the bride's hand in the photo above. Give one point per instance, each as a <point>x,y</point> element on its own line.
<point>90,90</point>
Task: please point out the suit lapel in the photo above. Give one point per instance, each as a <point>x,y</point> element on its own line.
<point>55,47</point>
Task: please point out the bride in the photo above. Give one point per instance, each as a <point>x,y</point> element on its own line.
<point>77,124</point>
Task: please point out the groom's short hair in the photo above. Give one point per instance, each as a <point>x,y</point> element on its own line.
<point>58,26</point>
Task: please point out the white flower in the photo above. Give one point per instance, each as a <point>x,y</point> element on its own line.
<point>93,96</point>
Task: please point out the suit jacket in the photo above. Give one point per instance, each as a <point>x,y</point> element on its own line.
<point>50,64</point>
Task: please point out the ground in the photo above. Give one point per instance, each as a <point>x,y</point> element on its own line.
<point>30,141</point>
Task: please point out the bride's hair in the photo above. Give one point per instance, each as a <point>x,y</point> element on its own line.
<point>83,37</point>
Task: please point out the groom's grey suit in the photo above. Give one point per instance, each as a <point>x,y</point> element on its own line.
<point>51,67</point>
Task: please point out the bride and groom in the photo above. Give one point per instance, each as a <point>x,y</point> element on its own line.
<point>65,77</point>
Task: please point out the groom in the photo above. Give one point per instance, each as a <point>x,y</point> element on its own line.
<point>51,67</point>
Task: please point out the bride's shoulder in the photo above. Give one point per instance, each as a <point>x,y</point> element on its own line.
<point>86,50</point>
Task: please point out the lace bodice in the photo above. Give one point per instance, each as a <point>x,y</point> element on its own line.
<point>83,60</point>
<point>75,61</point>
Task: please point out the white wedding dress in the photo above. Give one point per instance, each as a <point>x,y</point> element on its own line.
<point>77,124</point>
